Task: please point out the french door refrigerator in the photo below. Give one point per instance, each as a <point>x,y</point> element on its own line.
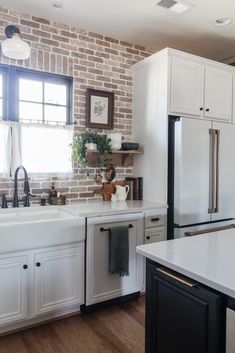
<point>201,175</point>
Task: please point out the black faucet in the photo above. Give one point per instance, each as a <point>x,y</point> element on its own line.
<point>26,188</point>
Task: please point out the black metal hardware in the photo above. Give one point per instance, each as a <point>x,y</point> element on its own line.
<point>4,201</point>
<point>38,264</point>
<point>207,109</point>
<point>25,267</point>
<point>11,30</point>
<point>148,237</point>
<point>43,201</point>
<point>108,229</point>
<point>155,219</point>
<point>201,108</point>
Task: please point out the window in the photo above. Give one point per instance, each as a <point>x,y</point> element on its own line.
<point>32,96</point>
<point>36,108</point>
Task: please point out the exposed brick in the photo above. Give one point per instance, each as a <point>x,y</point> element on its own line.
<point>29,23</point>
<point>94,61</point>
<point>41,20</point>
<point>68,34</point>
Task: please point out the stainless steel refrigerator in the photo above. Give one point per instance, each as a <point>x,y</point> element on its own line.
<point>201,175</point>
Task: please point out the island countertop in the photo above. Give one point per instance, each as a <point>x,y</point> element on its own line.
<point>206,258</point>
<point>100,208</point>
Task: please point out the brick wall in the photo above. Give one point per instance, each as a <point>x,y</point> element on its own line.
<point>94,61</point>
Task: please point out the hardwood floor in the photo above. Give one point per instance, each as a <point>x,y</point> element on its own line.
<point>117,329</point>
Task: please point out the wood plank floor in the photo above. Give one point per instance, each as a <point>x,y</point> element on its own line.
<point>118,329</point>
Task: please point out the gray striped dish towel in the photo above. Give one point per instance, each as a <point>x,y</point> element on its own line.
<point>119,251</point>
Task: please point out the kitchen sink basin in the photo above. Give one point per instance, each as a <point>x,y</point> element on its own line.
<point>38,227</point>
<point>30,215</point>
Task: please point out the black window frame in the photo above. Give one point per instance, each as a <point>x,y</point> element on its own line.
<point>12,74</point>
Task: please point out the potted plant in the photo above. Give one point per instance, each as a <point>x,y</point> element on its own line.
<point>79,147</point>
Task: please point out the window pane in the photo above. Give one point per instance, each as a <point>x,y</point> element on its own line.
<point>1,108</point>
<point>55,93</point>
<point>30,90</point>
<point>32,111</point>
<point>1,88</point>
<point>54,113</point>
<point>54,154</point>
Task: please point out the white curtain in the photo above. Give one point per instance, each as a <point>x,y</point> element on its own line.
<point>46,149</point>
<point>16,156</point>
<point>5,148</point>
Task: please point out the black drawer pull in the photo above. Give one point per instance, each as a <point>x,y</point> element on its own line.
<point>38,264</point>
<point>108,229</point>
<point>148,237</point>
<point>155,219</point>
<point>25,267</point>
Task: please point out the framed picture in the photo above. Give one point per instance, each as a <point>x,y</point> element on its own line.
<point>100,109</point>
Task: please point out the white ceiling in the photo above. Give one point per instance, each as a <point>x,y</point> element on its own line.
<point>142,22</point>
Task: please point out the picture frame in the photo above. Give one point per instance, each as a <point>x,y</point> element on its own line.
<point>99,109</point>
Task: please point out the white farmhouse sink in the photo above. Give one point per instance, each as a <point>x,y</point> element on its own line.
<point>29,215</point>
<point>38,227</point>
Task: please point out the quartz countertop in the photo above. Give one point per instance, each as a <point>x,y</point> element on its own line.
<point>207,258</point>
<point>100,208</point>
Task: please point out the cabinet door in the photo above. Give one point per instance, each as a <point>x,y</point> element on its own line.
<point>218,94</point>
<point>13,289</point>
<point>187,84</point>
<point>59,279</point>
<point>180,318</point>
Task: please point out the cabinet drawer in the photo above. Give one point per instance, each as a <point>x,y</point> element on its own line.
<point>154,221</point>
<point>154,235</point>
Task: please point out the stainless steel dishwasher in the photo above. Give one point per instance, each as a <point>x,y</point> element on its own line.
<point>102,286</point>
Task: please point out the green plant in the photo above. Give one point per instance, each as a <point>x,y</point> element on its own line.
<point>79,147</point>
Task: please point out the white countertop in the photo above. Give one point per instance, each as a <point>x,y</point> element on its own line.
<point>207,258</point>
<point>100,208</point>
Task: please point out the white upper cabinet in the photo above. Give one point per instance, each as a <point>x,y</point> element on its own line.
<point>200,90</point>
<point>218,94</point>
<point>187,80</point>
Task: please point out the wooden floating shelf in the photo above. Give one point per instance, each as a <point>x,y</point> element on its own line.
<point>117,158</point>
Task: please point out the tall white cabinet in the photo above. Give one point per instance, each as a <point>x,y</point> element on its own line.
<point>172,82</point>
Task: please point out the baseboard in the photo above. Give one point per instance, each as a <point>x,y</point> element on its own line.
<point>107,303</point>
<point>40,320</point>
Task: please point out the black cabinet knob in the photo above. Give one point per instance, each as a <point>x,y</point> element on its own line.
<point>207,109</point>
<point>38,264</point>
<point>148,237</point>
<point>201,108</point>
<point>25,267</point>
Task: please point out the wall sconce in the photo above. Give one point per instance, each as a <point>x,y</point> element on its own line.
<point>14,47</point>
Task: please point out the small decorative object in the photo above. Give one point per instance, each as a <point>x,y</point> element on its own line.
<point>108,189</point>
<point>98,178</point>
<point>116,140</point>
<point>110,173</point>
<point>100,109</point>
<point>80,150</point>
<point>55,198</point>
<point>128,146</point>
<point>90,144</point>
<point>122,192</point>
<point>114,198</point>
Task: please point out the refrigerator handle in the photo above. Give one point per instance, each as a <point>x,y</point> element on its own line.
<point>214,171</point>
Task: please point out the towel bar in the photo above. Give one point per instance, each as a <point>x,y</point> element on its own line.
<point>107,229</point>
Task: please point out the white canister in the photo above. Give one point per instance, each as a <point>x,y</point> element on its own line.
<point>116,140</point>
